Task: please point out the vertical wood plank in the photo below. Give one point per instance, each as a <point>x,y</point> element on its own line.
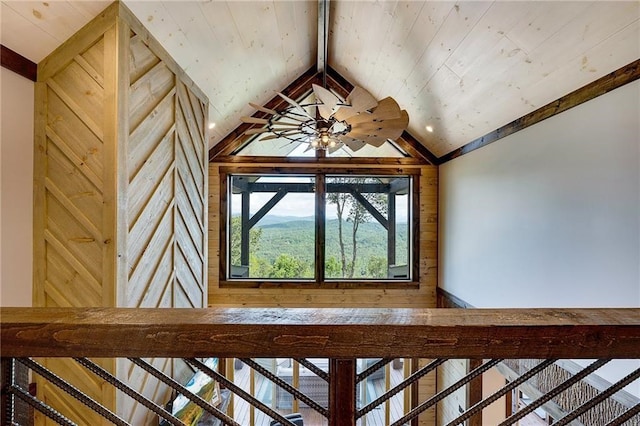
<point>39,207</point>
<point>474,392</point>
<point>114,171</point>
<point>342,395</point>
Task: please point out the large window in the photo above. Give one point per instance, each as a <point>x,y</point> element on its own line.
<point>324,229</point>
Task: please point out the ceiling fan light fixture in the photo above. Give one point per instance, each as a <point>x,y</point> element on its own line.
<point>330,122</point>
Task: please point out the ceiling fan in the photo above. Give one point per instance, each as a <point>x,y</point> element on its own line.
<point>331,122</point>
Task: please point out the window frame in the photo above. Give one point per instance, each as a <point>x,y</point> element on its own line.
<point>319,282</point>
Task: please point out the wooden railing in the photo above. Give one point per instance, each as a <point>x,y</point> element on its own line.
<point>342,335</point>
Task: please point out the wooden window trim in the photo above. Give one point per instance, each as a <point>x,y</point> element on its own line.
<point>320,282</point>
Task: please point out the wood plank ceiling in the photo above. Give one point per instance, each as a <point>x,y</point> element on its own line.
<point>464,68</point>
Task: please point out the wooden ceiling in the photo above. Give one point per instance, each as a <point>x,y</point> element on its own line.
<point>464,68</point>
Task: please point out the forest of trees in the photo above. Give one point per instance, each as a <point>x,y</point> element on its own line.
<point>355,241</point>
<point>284,248</point>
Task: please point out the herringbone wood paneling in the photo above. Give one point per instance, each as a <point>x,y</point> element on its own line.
<point>165,210</point>
<point>120,193</point>
<point>71,238</point>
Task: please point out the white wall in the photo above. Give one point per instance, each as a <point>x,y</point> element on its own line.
<point>549,216</point>
<point>16,189</point>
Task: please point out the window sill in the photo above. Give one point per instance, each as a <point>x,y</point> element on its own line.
<point>352,285</point>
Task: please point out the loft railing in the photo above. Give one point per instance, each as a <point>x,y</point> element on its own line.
<point>438,337</point>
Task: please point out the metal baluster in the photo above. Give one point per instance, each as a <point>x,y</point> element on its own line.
<point>372,369</point>
<point>554,392</point>
<point>240,392</point>
<point>184,391</point>
<point>626,416</point>
<point>494,397</point>
<point>108,377</point>
<point>73,391</point>
<point>286,386</point>
<point>397,389</point>
<point>313,368</point>
<point>8,397</point>
<point>598,399</point>
<point>446,392</point>
<point>42,407</point>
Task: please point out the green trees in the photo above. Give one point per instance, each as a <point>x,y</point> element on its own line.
<point>287,266</point>
<point>295,239</point>
<point>351,208</point>
<point>236,229</point>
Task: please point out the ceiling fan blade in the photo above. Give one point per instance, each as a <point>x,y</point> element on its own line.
<point>387,108</point>
<point>328,99</point>
<point>254,120</point>
<point>274,126</point>
<point>279,135</point>
<point>377,142</point>
<point>366,133</point>
<point>358,101</point>
<point>344,112</point>
<point>263,109</point>
<point>399,123</point>
<point>296,105</point>
<point>361,100</point>
<point>353,144</point>
<point>256,130</point>
<point>333,149</point>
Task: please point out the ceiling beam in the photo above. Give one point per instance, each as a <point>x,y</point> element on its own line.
<point>236,138</point>
<point>627,74</point>
<point>17,63</point>
<point>406,142</point>
<point>323,38</point>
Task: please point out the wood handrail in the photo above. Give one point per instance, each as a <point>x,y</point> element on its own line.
<point>320,332</point>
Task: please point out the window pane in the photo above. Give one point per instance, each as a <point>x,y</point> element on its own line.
<point>367,228</point>
<point>272,227</point>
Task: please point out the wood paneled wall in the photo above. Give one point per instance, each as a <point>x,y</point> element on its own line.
<point>422,297</point>
<point>120,191</point>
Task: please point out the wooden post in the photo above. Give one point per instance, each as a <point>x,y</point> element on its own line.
<point>244,233</point>
<point>391,229</point>
<point>7,405</point>
<point>342,392</point>
<point>321,211</point>
<point>474,392</point>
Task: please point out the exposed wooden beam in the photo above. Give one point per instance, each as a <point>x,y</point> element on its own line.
<point>317,332</point>
<point>406,142</point>
<point>222,151</point>
<point>236,138</point>
<point>414,148</point>
<point>618,78</point>
<point>19,64</point>
<point>267,207</point>
<point>356,161</point>
<point>377,188</point>
<point>323,38</point>
<point>370,208</point>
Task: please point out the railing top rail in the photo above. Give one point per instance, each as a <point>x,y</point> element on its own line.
<point>321,332</point>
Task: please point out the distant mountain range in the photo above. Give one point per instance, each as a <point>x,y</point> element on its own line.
<point>270,220</point>
<point>295,236</point>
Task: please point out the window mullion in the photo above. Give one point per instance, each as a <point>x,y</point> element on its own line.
<point>320,227</point>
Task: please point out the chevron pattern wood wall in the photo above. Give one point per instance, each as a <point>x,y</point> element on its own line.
<point>120,194</point>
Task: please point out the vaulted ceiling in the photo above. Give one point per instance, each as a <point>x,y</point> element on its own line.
<point>463,68</point>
